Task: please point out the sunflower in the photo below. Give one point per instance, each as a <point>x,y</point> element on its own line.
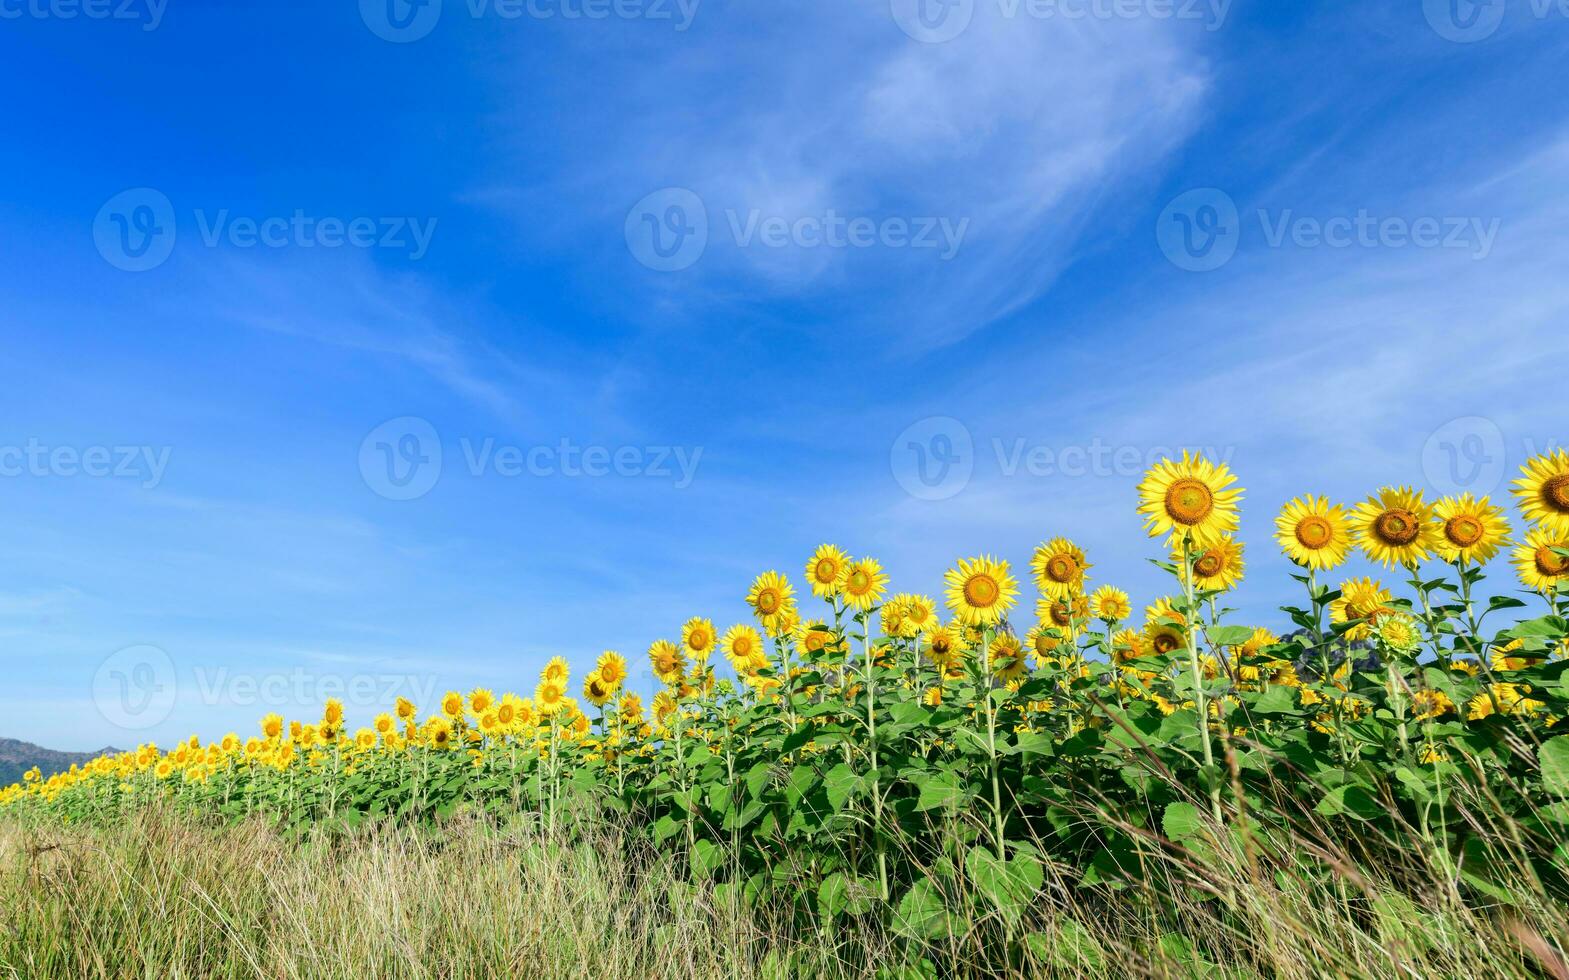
<point>1313,533</point>
<point>1190,498</point>
<point>932,697</point>
<point>630,709</point>
<point>612,668</point>
<point>1544,491</point>
<point>1510,657</point>
<point>945,645</point>
<point>1217,565</point>
<point>893,617</point>
<point>272,725</point>
<point>597,690</point>
<point>1364,599</point>
<point>1540,566</point>
<point>825,571</point>
<point>1260,640</point>
<point>556,671</point>
<point>405,709</point>
<point>1007,658</point>
<point>548,697</point>
<point>1128,645</point>
<point>1509,699</point>
<point>438,732</point>
<point>864,583</point>
<point>1427,704</point>
<point>919,614</point>
<point>815,639</point>
<point>1059,568</point>
<point>981,591</point>
<point>481,700</point>
<point>1165,629</point>
<point>668,661</point>
<point>385,724</point>
<point>1472,530</point>
<point>698,637</point>
<point>1047,643</point>
<point>770,597</point>
<point>332,712</point>
<point>1398,634</point>
<point>1396,527</point>
<point>663,707</point>
<point>1110,604</point>
<point>452,704</point>
<point>743,647</point>
<point>1065,614</point>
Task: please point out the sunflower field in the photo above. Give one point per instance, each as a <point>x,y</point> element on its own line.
<point>931,769</point>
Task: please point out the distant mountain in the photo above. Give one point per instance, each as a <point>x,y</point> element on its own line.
<point>18,757</point>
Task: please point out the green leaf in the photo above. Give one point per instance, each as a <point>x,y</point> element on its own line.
<point>706,857</point>
<point>1555,765</point>
<point>1181,821</point>
<point>922,913</point>
<point>1230,636</point>
<point>1009,884</point>
<point>938,790</point>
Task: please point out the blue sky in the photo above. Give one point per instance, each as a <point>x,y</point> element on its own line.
<point>962,234</point>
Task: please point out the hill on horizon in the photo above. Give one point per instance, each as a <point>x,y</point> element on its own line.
<point>16,757</point>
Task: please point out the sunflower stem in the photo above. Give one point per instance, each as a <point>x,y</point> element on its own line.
<point>1198,679</point>
<point>991,739</point>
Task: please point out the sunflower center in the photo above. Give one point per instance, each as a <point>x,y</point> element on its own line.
<point>1550,562</point>
<point>1061,615</point>
<point>1397,527</point>
<point>698,640</point>
<point>1062,568</point>
<point>1165,643</point>
<point>858,582</point>
<point>981,591</point>
<point>1189,501</point>
<point>1463,531</point>
<point>768,601</point>
<point>826,571</point>
<point>1209,564</point>
<point>1556,492</point>
<point>1314,532</point>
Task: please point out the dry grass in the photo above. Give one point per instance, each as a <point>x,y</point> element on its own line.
<point>165,896</point>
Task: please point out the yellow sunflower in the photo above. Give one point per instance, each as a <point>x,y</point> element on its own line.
<point>981,590</point>
<point>452,704</point>
<point>826,569</point>
<point>1472,530</point>
<point>405,709</point>
<point>667,660</point>
<point>612,667</point>
<point>864,582</point>
<point>743,647</point>
<point>698,637</point>
<point>1540,567</point>
<point>1396,527</point>
<point>1364,599</point>
<point>919,614</point>
<point>1065,614</point>
<point>480,700</point>
<point>272,725</point>
<point>549,697</point>
<point>945,645</point>
<point>814,640</point>
<point>1313,533</point>
<point>1544,491</point>
<point>1510,657</point>
<point>1110,604</point>
<point>1165,629</point>
<point>556,671</point>
<point>1048,645</point>
<point>596,690</point>
<point>770,597</point>
<point>1007,658</point>
<point>1216,565</point>
<point>1129,645</point>
<point>631,709</point>
<point>1190,498</point>
<point>1059,566</point>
